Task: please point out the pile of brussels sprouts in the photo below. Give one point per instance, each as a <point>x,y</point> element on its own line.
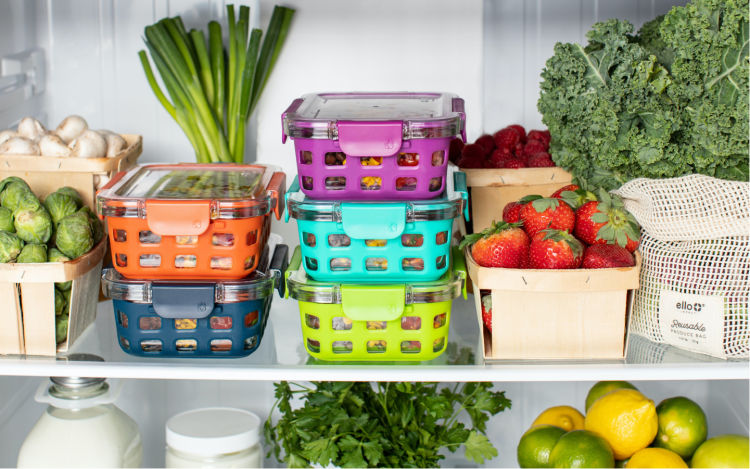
<point>57,230</point>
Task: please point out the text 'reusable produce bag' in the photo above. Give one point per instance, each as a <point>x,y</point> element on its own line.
<point>695,278</point>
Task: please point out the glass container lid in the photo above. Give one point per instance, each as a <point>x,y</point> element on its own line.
<point>410,115</point>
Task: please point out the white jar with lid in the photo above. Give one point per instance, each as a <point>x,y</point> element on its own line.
<point>214,437</point>
<point>81,428</point>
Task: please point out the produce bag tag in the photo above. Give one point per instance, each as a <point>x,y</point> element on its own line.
<point>692,322</point>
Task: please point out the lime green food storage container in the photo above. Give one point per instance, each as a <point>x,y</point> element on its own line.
<point>376,322</point>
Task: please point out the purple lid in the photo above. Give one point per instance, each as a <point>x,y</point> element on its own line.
<point>411,115</point>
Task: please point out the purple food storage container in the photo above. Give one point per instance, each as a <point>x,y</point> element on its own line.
<point>373,146</point>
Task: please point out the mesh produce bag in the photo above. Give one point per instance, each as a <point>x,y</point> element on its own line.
<point>695,278</point>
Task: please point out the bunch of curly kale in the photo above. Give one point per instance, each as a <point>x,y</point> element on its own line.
<point>669,101</point>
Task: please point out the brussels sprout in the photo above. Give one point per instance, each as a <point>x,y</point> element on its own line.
<point>10,179</point>
<point>10,246</point>
<point>64,286</point>
<point>6,220</point>
<point>60,205</point>
<point>33,253</point>
<point>96,225</point>
<point>67,293</point>
<point>69,191</point>
<point>28,201</point>
<point>61,328</point>
<point>12,194</point>
<point>54,255</point>
<point>74,236</point>
<point>33,226</point>
<point>60,302</point>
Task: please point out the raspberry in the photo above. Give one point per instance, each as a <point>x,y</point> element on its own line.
<point>454,154</point>
<point>487,142</point>
<point>542,136</point>
<point>521,131</point>
<point>514,163</point>
<point>506,138</point>
<point>534,146</point>
<point>512,212</point>
<point>472,156</point>
<point>518,149</point>
<point>540,160</point>
<point>499,156</point>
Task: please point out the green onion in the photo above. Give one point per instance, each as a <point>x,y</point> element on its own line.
<point>212,88</point>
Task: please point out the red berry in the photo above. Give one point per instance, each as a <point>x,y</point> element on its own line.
<point>500,245</point>
<point>540,160</point>
<point>487,142</point>
<point>472,156</point>
<point>558,193</point>
<point>540,213</point>
<point>512,212</point>
<point>514,163</point>
<point>454,153</point>
<point>533,147</point>
<point>607,222</point>
<point>521,131</point>
<point>486,299</point>
<point>518,150</point>
<point>542,136</point>
<point>555,249</point>
<point>506,138</point>
<point>604,256</point>
<point>499,156</point>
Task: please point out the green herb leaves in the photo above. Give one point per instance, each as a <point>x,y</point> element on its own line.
<point>382,424</point>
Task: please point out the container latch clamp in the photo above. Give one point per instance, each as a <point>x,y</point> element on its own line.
<point>195,301</point>
<point>373,221</point>
<point>373,302</point>
<point>372,138</point>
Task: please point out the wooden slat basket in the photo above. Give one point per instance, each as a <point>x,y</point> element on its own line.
<point>555,314</point>
<point>27,293</point>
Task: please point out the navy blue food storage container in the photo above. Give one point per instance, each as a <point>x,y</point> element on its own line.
<point>194,319</point>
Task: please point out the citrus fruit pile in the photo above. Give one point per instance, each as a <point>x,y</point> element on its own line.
<point>624,428</point>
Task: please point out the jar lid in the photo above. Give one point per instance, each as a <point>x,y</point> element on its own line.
<point>212,431</point>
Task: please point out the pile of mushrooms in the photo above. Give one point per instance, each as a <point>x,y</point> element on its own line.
<point>72,138</point>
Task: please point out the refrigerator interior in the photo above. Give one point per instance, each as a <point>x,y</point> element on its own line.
<point>488,52</point>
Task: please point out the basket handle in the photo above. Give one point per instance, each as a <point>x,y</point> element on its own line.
<point>293,266</point>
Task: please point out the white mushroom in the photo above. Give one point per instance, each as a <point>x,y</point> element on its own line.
<point>52,145</point>
<point>89,145</point>
<point>70,128</point>
<point>19,146</point>
<point>31,128</point>
<point>7,135</point>
<point>115,143</point>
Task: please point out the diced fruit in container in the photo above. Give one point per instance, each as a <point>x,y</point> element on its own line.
<point>251,318</point>
<point>440,238</point>
<point>221,345</point>
<point>313,345</point>
<point>150,260</point>
<point>221,263</point>
<point>341,323</point>
<point>335,183</point>
<point>439,320</point>
<point>121,236</point>
<point>412,263</point>
<point>435,184</point>
<point>305,157</point>
<point>406,184</point>
<point>371,161</point>
<point>307,182</point>
<point>222,239</point>
<point>185,324</point>
<point>341,346</point>
<point>411,346</point>
<point>339,240</point>
<point>220,322</point>
<point>375,243</point>
<point>185,261</point>
<point>251,342</point>
<point>371,183</point>
<point>438,158</point>
<point>438,344</point>
<point>248,263</point>
<point>309,239</point>
<point>335,158</point>
<point>149,323</point>
<point>408,159</point>
<point>412,240</point>
<point>313,322</point>
<point>186,345</point>
<point>376,325</point>
<point>186,240</point>
<point>341,263</point>
<point>376,346</point>
<point>152,345</point>
<point>376,263</point>
<point>411,323</point>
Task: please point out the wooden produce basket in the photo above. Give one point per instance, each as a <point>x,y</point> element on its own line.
<point>27,293</point>
<point>46,174</point>
<point>491,189</point>
<point>555,314</point>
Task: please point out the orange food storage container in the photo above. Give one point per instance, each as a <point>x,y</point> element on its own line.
<point>197,221</point>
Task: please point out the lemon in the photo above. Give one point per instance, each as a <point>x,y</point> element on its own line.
<point>603,387</point>
<point>723,451</point>
<point>581,448</point>
<point>563,416</point>
<point>682,426</point>
<point>536,445</point>
<point>626,419</point>
<point>655,457</point>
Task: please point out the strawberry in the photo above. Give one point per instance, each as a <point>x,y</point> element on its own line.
<point>533,147</point>
<point>521,131</point>
<point>540,136</point>
<point>500,245</point>
<point>512,212</point>
<point>486,300</point>
<point>604,256</point>
<point>607,222</point>
<point>487,142</point>
<point>472,156</point>
<point>454,153</point>
<point>569,187</point>
<point>555,249</point>
<point>539,213</point>
<point>506,138</point>
<point>578,197</point>
<point>499,156</point>
<point>514,163</point>
<point>540,160</point>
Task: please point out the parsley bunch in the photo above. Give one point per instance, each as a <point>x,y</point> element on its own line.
<point>353,424</point>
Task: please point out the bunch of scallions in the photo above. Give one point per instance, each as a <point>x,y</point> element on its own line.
<point>214,88</point>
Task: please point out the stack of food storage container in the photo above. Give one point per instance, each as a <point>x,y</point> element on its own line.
<point>193,275</point>
<point>375,204</point>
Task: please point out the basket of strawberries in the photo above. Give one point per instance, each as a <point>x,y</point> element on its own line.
<point>559,272</point>
<point>504,167</point>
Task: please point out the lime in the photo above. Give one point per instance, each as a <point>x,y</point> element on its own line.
<point>682,426</point>
<point>603,387</point>
<point>564,416</point>
<point>723,451</point>
<point>536,445</point>
<point>655,457</point>
<point>581,448</point>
